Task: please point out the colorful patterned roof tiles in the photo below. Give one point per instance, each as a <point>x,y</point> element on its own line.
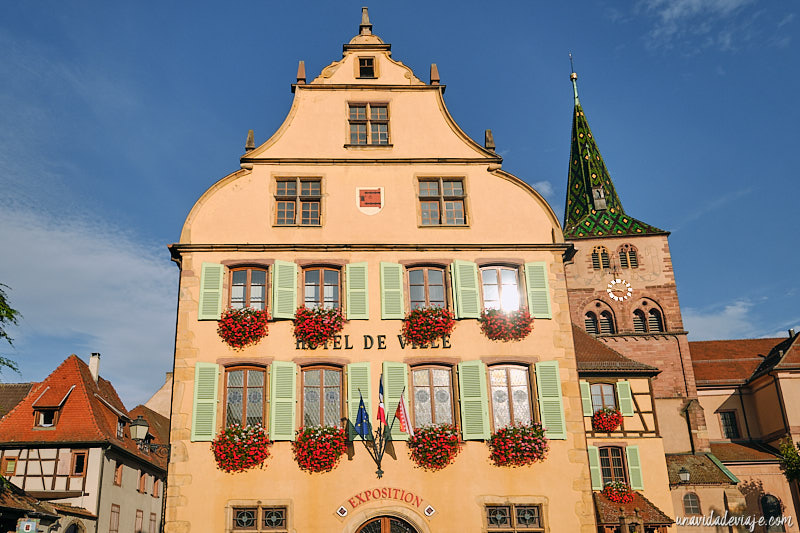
<point>593,207</point>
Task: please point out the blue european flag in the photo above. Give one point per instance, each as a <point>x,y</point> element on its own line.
<point>363,427</point>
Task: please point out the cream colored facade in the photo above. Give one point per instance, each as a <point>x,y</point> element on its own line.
<point>507,223</point>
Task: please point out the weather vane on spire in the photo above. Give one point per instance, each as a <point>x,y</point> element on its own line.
<point>574,77</point>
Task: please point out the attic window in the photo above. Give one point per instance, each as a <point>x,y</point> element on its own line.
<point>120,429</point>
<point>46,418</point>
<point>366,67</point>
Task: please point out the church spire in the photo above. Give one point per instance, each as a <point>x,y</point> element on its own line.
<point>593,207</point>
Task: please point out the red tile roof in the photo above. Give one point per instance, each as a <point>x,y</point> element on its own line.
<point>608,512</point>
<point>734,362</point>
<point>593,355</point>
<point>18,501</point>
<point>89,414</point>
<point>731,452</point>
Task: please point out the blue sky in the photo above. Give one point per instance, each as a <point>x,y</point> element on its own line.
<point>115,117</point>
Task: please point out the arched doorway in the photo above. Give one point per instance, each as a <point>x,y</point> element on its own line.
<point>386,524</point>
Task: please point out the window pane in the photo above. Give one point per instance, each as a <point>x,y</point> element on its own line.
<point>332,406</point>
<point>380,133</point>
<point>311,407</point>
<point>422,406</point>
<point>430,213</point>
<point>286,212</point>
<point>417,295</point>
<point>452,188</point>
<point>358,112</point>
<point>255,405</point>
<point>310,188</point>
<point>454,212</point>
<point>234,406</point>
<point>287,188</point>
<point>310,213</point>
<point>436,295</point>
<point>429,188</point>
<point>255,378</point>
<point>379,112</point>
<point>236,378</point>
<point>443,405</point>
<point>416,277</point>
<point>358,134</point>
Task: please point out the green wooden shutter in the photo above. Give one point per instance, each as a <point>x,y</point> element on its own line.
<point>551,407</point>
<point>594,467</point>
<point>284,289</point>
<point>357,291</point>
<point>474,400</point>
<point>634,468</point>
<point>538,289</point>
<point>392,301</point>
<point>395,381</point>
<point>465,282</point>
<point>210,305</point>
<point>625,398</point>
<point>586,398</point>
<point>204,411</point>
<point>358,386</point>
<point>282,400</point>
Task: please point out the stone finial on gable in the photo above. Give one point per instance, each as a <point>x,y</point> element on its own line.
<point>434,74</point>
<point>365,28</point>
<point>250,144</point>
<point>488,140</point>
<point>301,72</point>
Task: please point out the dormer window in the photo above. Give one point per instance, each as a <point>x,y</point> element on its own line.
<point>366,67</point>
<point>46,418</point>
<point>120,429</point>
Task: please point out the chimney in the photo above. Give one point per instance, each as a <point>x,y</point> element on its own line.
<point>94,365</point>
<point>791,333</point>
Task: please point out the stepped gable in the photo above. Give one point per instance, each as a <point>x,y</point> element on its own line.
<point>734,362</point>
<point>88,412</point>
<point>593,206</point>
<point>595,356</point>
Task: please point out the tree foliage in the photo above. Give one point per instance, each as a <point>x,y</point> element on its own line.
<point>8,317</point>
<point>790,460</point>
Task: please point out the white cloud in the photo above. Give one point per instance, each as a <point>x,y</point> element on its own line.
<point>85,279</point>
<point>731,321</point>
<point>545,188</point>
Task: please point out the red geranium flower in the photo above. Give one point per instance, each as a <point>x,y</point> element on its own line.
<point>618,492</point>
<point>238,448</point>
<point>318,448</point>
<point>434,447</point>
<point>315,327</point>
<point>500,326</point>
<point>606,420</point>
<point>241,327</point>
<point>424,325</point>
<point>518,445</point>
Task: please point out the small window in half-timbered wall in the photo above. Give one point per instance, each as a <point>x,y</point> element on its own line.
<point>78,463</point>
<point>603,396</point>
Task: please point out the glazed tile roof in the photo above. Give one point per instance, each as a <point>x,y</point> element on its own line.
<point>734,362</point>
<point>608,512</point>
<point>11,394</point>
<point>593,355</point>
<point>587,171</point>
<point>89,414</point>
<point>743,452</point>
<point>702,468</point>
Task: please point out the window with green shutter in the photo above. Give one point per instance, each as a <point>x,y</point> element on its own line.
<point>392,301</point>
<point>395,383</point>
<point>594,467</point>
<point>204,409</point>
<point>283,400</point>
<point>358,387</point>
<point>210,304</point>
<point>356,276</point>
<point>284,289</point>
<point>634,467</point>
<point>474,400</point>
<point>551,407</point>
<point>465,289</point>
<point>538,289</point>
<point>586,398</point>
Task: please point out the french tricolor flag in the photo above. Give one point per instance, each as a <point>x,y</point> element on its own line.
<point>381,409</point>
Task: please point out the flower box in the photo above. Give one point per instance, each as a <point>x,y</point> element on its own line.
<point>242,327</point>
<point>518,445</point>
<point>500,326</point>
<point>315,327</point>
<point>424,325</point>
<point>618,492</point>
<point>434,447</point>
<point>318,448</point>
<point>606,420</point>
<point>238,448</point>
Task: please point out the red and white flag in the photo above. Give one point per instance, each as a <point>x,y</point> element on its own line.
<point>402,416</point>
<point>381,409</point>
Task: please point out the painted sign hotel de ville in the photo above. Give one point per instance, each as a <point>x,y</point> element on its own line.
<point>379,260</point>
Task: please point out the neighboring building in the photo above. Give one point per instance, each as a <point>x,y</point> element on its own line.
<point>11,394</point>
<point>68,442</point>
<point>160,401</point>
<point>622,291</point>
<point>369,198</point>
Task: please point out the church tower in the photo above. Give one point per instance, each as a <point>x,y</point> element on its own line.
<point>622,290</point>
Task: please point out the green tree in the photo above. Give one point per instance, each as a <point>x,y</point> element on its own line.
<point>790,460</point>
<point>8,317</point>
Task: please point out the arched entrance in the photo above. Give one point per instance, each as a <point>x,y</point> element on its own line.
<point>386,524</point>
